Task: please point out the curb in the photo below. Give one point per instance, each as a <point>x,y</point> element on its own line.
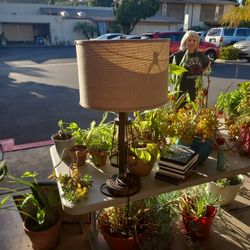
<point>231,61</point>
<point>9,145</point>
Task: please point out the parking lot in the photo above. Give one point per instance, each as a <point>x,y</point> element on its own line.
<point>39,86</point>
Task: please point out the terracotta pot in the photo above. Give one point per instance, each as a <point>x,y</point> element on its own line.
<point>78,154</point>
<point>116,243</point>
<point>62,146</point>
<point>139,167</point>
<point>46,239</point>
<point>99,158</point>
<point>227,193</point>
<point>198,228</point>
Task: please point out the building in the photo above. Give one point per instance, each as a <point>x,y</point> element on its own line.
<point>26,22</point>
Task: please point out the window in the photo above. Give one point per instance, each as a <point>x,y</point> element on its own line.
<point>176,11</point>
<point>207,12</point>
<point>214,32</point>
<point>229,32</point>
<point>242,32</point>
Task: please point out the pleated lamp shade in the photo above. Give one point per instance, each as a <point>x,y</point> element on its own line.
<point>122,75</point>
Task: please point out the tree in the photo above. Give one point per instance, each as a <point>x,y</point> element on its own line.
<point>103,3</point>
<point>87,28</point>
<point>239,16</point>
<point>129,12</point>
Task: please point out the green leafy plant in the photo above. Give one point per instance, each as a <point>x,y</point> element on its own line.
<point>64,133</point>
<point>229,181</point>
<point>79,133</point>
<point>154,217</point>
<point>236,108</point>
<point>195,201</point>
<point>146,153</point>
<point>39,206</point>
<point>229,53</point>
<point>100,137</point>
<point>74,185</point>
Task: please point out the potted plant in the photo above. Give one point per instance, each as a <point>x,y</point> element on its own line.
<point>123,226</point>
<point>198,209</point>
<point>142,224</point>
<point>75,186</point>
<point>141,158</point>
<point>226,188</point>
<point>40,208</point>
<point>236,110</point>
<point>63,139</point>
<point>99,140</point>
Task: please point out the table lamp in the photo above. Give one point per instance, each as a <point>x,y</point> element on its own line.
<point>122,76</point>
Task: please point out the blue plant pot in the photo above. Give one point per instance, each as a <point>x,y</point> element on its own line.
<point>203,148</point>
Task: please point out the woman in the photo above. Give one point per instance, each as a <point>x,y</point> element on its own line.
<point>191,59</point>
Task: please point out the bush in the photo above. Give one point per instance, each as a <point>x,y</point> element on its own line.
<point>229,53</point>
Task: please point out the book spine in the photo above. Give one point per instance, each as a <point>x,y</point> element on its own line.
<point>169,173</point>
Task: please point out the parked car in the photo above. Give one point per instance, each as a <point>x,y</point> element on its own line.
<point>129,37</point>
<point>211,50</point>
<point>108,36</point>
<point>222,36</point>
<point>244,48</point>
<point>202,35</point>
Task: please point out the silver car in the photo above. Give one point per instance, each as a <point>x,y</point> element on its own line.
<point>108,36</point>
<point>244,48</point>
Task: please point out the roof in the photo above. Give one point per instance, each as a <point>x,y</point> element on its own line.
<point>98,14</point>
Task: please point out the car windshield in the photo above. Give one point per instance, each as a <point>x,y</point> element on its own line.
<point>214,32</point>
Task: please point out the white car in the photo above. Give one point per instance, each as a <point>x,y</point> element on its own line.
<point>244,48</point>
<point>222,36</point>
<point>108,36</point>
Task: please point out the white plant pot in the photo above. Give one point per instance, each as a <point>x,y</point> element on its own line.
<point>227,193</point>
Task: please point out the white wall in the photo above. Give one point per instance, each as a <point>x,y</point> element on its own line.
<point>143,27</point>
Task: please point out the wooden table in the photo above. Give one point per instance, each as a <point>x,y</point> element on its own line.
<point>235,164</point>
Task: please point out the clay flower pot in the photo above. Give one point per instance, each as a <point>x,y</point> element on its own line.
<point>99,157</point>
<point>78,154</point>
<point>121,243</point>
<point>45,239</point>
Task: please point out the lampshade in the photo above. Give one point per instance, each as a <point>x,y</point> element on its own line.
<point>122,75</point>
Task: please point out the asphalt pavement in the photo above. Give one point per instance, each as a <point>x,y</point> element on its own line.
<point>39,86</point>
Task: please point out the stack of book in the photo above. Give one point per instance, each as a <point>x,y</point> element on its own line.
<point>176,164</point>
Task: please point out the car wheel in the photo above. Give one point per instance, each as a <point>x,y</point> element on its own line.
<point>211,55</point>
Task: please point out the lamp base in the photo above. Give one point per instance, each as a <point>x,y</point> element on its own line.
<point>121,186</point>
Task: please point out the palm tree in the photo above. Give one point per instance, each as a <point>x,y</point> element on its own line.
<point>238,16</point>
<point>88,28</point>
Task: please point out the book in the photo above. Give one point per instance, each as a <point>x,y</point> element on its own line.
<point>174,170</point>
<point>169,179</point>
<point>179,156</point>
<point>174,174</point>
<point>176,167</point>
